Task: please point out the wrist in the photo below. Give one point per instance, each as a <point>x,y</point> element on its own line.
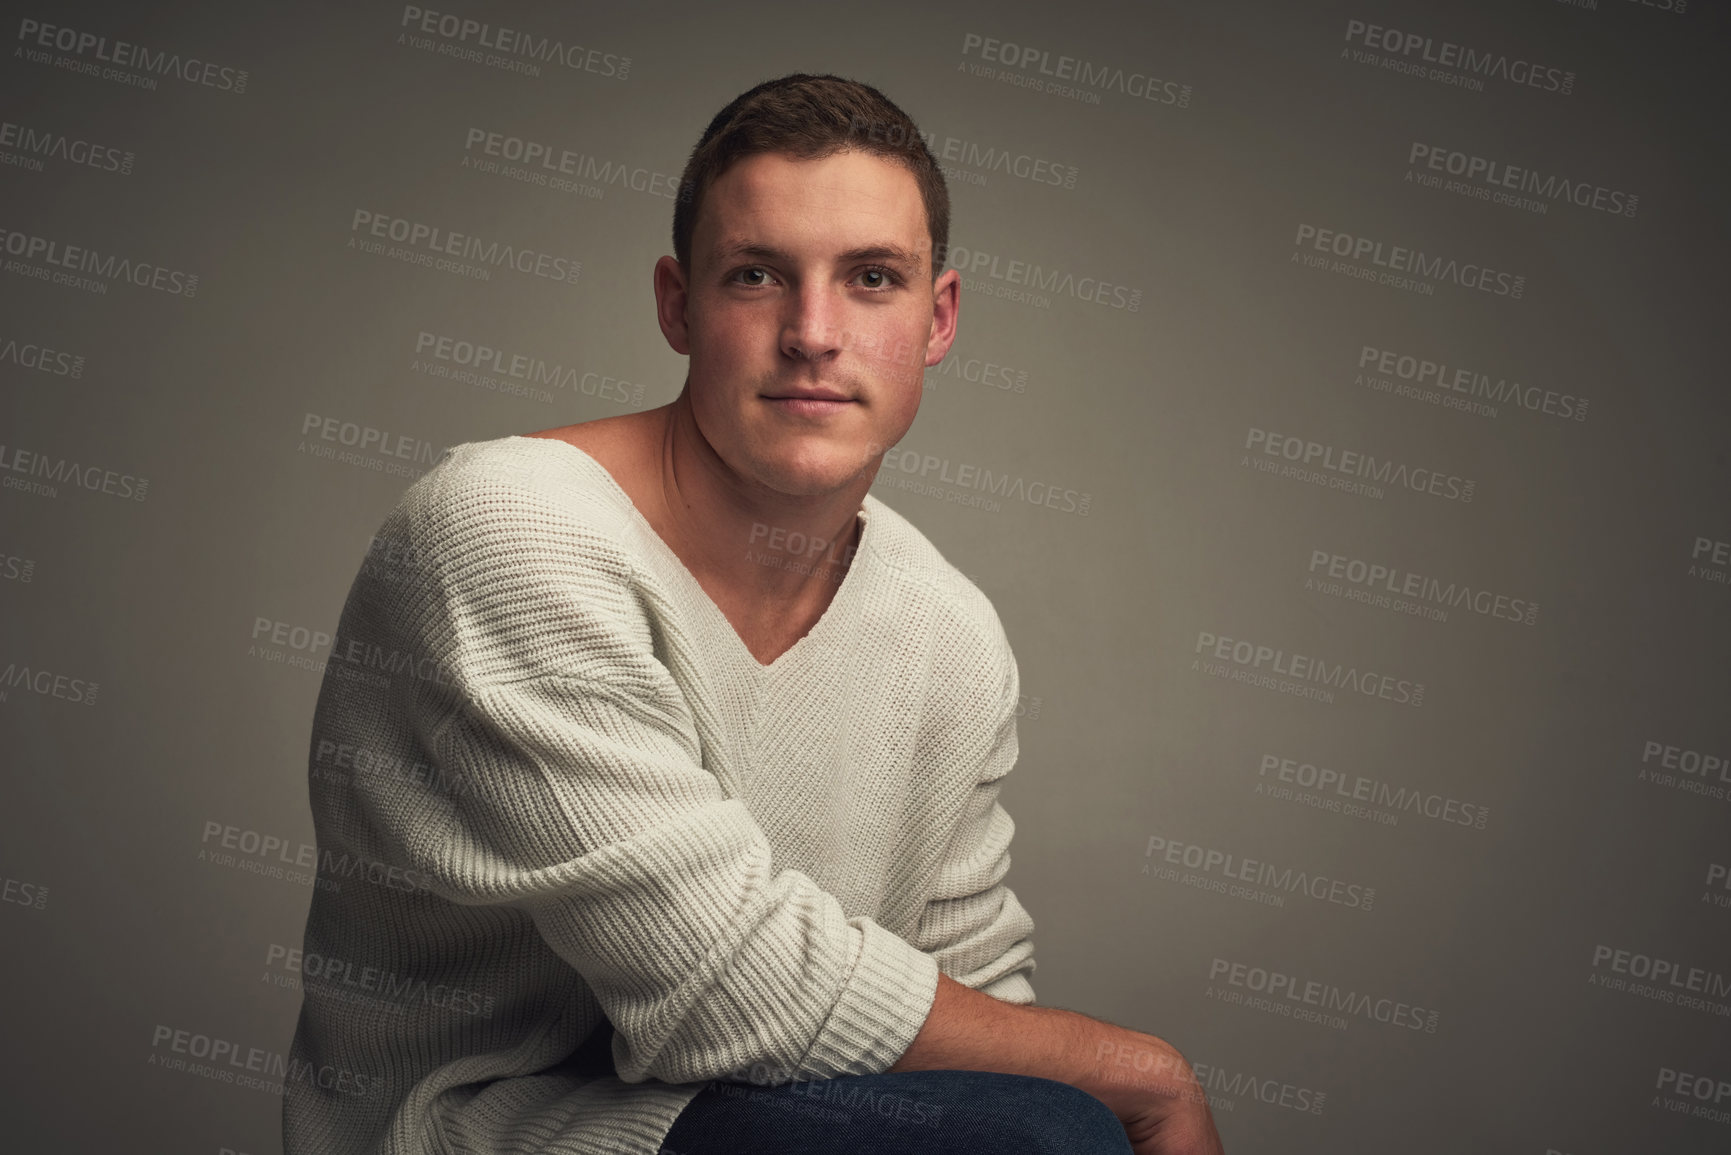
<point>1139,1075</point>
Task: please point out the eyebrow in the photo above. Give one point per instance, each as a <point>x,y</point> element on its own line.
<point>747,248</point>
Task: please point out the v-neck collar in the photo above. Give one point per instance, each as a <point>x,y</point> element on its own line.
<point>839,604</point>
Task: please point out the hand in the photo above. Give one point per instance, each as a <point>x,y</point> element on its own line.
<point>1154,1092</point>
<point>1182,1126</point>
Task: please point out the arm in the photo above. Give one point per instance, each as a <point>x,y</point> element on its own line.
<point>1142,1078</point>
<point>591,815</point>
<point>590,812</point>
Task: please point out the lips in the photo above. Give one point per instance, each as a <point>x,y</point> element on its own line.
<point>809,395</point>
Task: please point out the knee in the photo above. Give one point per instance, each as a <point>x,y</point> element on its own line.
<point>1046,1117</point>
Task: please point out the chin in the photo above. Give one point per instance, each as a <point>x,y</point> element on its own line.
<point>809,475</point>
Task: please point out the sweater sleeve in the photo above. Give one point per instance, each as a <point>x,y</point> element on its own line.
<point>588,809</point>
<point>972,923</point>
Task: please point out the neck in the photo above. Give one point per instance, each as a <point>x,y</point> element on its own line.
<point>737,533</point>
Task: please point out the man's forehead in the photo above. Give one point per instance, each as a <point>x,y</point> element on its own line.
<point>852,201</point>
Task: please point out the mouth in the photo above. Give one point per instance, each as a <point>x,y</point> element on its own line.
<point>806,405</point>
<point>819,394</point>
<point>809,401</point>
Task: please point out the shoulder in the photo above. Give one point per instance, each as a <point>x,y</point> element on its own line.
<point>529,465</point>
<point>512,494</point>
<point>508,527</point>
<point>969,642</point>
<point>517,558</point>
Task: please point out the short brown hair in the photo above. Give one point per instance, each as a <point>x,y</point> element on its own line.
<point>810,117</point>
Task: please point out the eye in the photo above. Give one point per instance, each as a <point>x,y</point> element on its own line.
<point>884,278</point>
<point>751,271</point>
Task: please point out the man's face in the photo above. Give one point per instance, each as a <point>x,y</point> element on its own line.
<point>809,314</point>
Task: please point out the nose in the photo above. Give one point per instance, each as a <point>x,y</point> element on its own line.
<point>809,330</point>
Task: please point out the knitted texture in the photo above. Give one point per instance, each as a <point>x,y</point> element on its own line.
<point>581,852</point>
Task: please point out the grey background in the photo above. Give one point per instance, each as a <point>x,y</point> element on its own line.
<point>114,927</point>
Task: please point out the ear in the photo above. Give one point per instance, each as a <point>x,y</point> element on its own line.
<point>671,299</point>
<point>946,302</point>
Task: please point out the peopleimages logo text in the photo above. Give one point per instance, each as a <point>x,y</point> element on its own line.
<point>1501,175</point>
<point>46,142</point>
<point>1358,788</point>
<point>1330,997</point>
<point>1464,58</point>
<point>1259,873</point>
<point>1316,455</point>
<point>967,476</point>
<point>67,471</point>
<point>1303,668</point>
<point>1027,58</point>
<point>1037,277</point>
<point>1377,578</point>
<point>1451,379</point>
<point>1418,263</point>
<point>105,266</point>
<point>125,54</point>
<point>526,46</point>
<point>466,246</point>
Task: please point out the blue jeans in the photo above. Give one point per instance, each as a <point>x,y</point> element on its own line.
<point>901,1113</point>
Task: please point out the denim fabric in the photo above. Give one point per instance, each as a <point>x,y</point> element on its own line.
<point>900,1113</point>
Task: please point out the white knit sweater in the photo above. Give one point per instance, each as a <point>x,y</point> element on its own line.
<point>558,802</point>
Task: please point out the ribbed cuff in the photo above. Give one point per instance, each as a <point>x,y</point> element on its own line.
<point>884,1005</point>
<point>1012,988</point>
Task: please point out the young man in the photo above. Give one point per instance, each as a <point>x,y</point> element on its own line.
<point>697,828</point>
